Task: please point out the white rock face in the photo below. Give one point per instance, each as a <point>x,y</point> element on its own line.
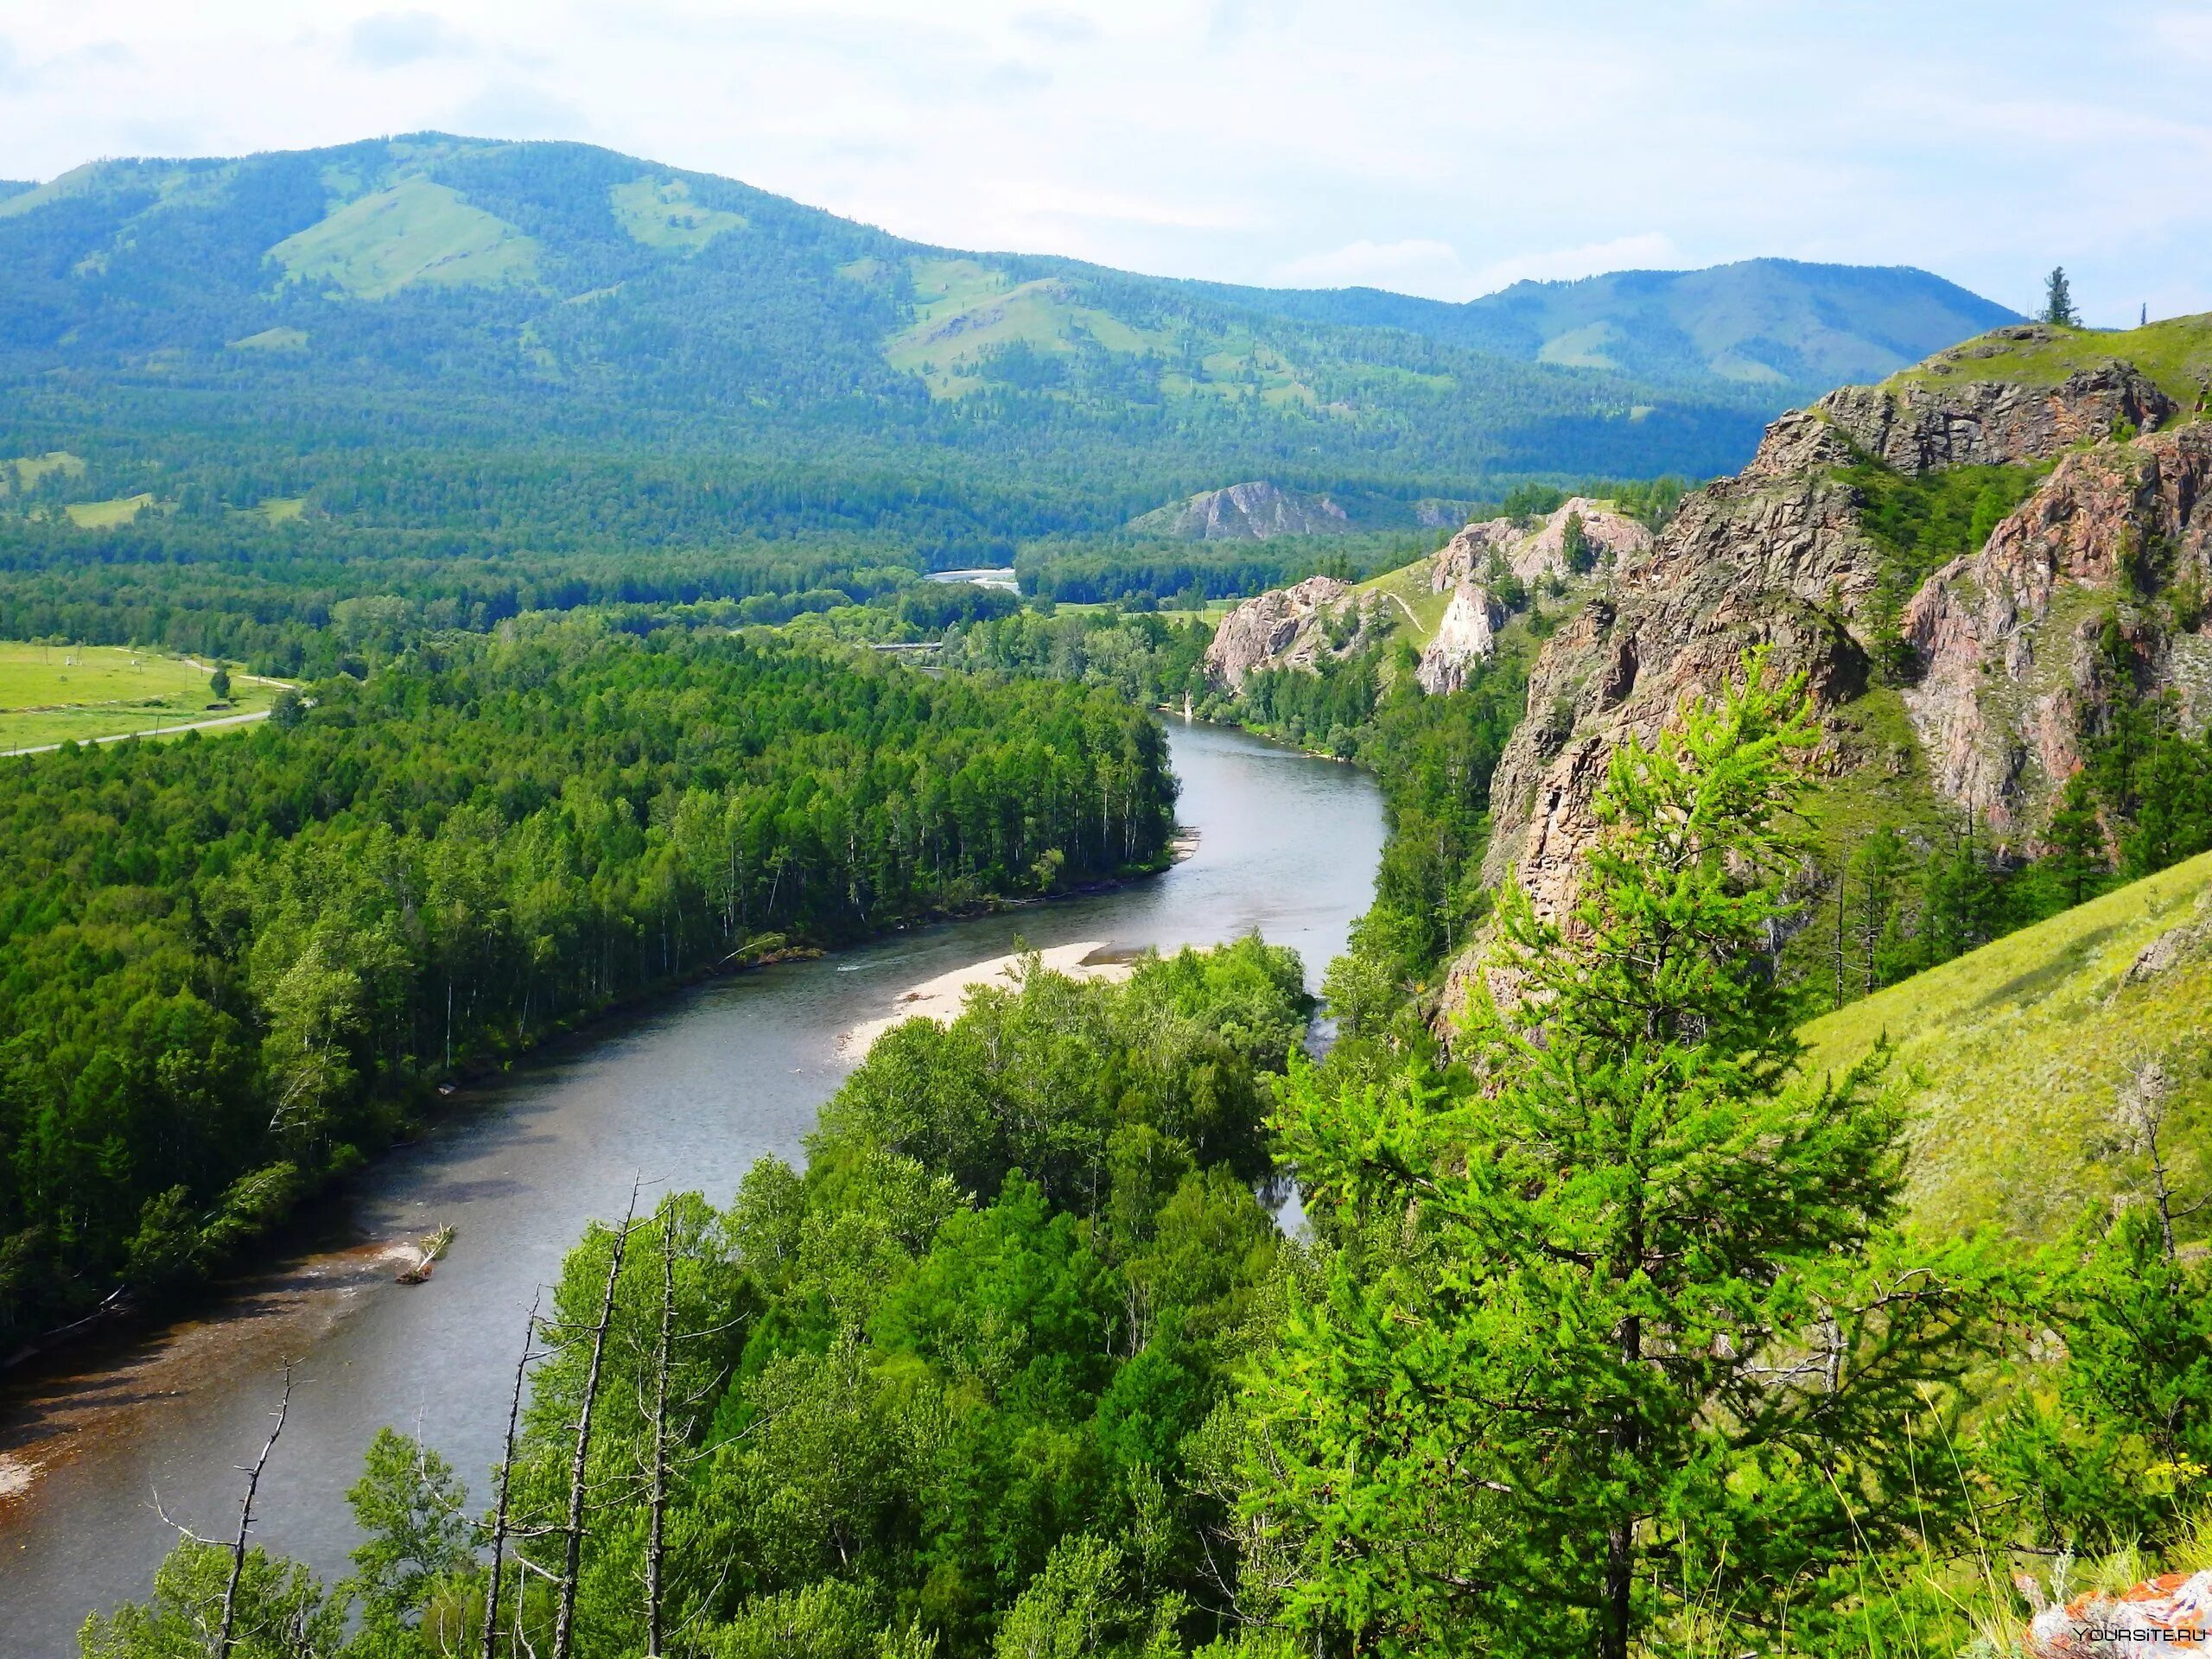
<point>1245,512</point>
<point>1467,635</point>
<point>1541,551</point>
<point>1285,627</point>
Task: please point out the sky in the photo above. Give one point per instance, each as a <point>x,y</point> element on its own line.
<point>1435,148</point>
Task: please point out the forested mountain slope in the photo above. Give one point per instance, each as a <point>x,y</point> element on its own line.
<point>400,333</point>
<point>1794,327</point>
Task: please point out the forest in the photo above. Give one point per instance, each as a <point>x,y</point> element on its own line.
<point>1610,1339</point>
<point>235,967</point>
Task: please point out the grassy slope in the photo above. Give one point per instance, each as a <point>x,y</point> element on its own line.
<point>80,692</point>
<point>415,231</point>
<point>964,307</point>
<point>662,215</point>
<point>1408,587</point>
<point>2176,353</point>
<point>106,515</point>
<point>2012,1055</point>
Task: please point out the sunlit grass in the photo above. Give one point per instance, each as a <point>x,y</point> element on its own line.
<point>2014,1051</point>
<point>54,694</point>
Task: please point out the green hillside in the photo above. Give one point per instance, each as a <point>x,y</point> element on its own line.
<point>1771,323</point>
<point>2176,353</point>
<point>449,291</point>
<point>446,295</point>
<point>2013,1053</point>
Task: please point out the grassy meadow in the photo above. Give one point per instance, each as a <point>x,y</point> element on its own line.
<point>2011,1055</point>
<point>52,694</point>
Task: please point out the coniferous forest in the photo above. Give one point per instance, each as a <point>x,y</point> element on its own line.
<point>234,965</point>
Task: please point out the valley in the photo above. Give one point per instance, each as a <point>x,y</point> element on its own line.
<point>813,944</point>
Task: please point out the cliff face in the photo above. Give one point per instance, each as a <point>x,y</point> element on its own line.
<point>2008,638</point>
<point>1290,627</point>
<point>1466,635</point>
<point>1246,512</point>
<point>1778,556</point>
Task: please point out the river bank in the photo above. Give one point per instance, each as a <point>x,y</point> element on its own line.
<point>422,1100</point>
<point>686,1093</point>
<point>942,999</point>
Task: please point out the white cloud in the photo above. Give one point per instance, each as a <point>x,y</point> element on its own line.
<point>2187,32</point>
<point>1412,266</point>
<point>516,109</point>
<point>1061,28</point>
<point>1442,146</point>
<point>392,40</point>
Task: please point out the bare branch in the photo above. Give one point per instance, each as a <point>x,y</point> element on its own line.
<point>507,1468</point>
<point>226,1640</point>
<point>565,1616</point>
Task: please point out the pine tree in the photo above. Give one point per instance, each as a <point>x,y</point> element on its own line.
<point>1613,1349</point>
<point>2059,299</point>
<point>1575,548</point>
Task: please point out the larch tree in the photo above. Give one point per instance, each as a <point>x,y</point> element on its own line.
<point>1611,1347</point>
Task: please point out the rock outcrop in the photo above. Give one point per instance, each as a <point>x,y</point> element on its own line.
<point>1291,628</point>
<point>1245,512</point>
<point>2166,1615</point>
<point>1941,415</point>
<point>1540,551</point>
<point>1777,557</point>
<point>1466,635</point>
<point>2007,639</point>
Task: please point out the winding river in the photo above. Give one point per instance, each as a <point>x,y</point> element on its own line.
<point>686,1095</point>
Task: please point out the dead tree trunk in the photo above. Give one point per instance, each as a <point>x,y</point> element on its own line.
<point>499,1509</point>
<point>657,1514</point>
<point>226,1639</point>
<point>565,1618</point>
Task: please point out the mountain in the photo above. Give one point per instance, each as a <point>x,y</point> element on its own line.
<point>1796,328</point>
<point>1991,569</point>
<point>547,341</point>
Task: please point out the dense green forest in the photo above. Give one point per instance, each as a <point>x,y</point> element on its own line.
<point>1607,1339</point>
<point>395,329</point>
<point>232,965</point>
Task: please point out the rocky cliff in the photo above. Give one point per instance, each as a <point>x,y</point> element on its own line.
<point>1466,635</point>
<point>1292,627</point>
<point>2002,682</point>
<point>1531,551</point>
<point>1245,512</point>
<point>2008,639</point>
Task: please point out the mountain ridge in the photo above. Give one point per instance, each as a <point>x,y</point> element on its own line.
<point>1527,319</point>
<point>455,293</point>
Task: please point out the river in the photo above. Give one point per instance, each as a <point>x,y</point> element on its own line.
<point>686,1095</point>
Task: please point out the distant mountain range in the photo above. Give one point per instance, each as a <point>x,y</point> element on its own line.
<point>478,308</point>
<point>1782,324</point>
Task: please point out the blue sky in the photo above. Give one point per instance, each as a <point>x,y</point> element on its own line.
<point>1442,149</point>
